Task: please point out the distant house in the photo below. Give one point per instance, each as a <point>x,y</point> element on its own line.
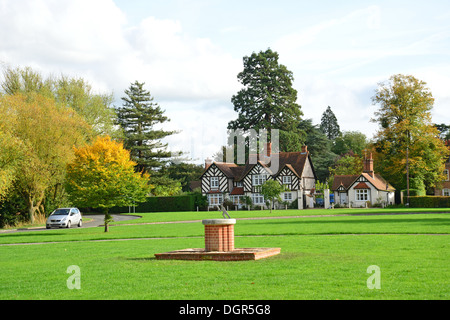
<point>221,181</point>
<point>357,190</point>
<point>444,189</point>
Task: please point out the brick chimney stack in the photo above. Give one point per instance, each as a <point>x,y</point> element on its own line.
<point>304,149</point>
<point>269,149</point>
<point>368,165</point>
<point>208,162</point>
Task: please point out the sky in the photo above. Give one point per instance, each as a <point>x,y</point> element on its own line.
<point>189,53</point>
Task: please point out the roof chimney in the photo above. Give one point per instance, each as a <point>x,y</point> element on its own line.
<point>269,149</point>
<point>368,165</point>
<point>304,149</point>
<point>208,162</point>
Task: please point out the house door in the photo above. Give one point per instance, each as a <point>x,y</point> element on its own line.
<point>343,198</point>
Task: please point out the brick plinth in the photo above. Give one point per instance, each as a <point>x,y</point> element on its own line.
<point>235,255</point>
<point>219,246</point>
<point>219,234</point>
<point>219,237</point>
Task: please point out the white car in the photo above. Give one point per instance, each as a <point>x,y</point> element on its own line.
<point>64,218</point>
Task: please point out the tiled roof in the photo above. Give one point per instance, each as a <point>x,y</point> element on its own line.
<point>348,180</point>
<point>361,185</point>
<point>295,161</point>
<point>237,191</point>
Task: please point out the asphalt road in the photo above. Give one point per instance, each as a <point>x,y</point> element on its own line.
<point>95,220</point>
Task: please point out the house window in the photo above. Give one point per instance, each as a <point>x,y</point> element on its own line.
<point>446,175</point>
<point>446,192</point>
<point>215,199</point>
<point>287,179</point>
<point>362,195</point>
<point>214,183</point>
<point>239,184</point>
<point>259,179</point>
<point>257,198</point>
<point>287,196</point>
<point>236,200</point>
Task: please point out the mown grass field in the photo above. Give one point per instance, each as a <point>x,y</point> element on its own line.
<point>321,258</point>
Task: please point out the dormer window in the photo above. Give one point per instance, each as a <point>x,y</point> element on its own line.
<point>259,179</point>
<point>214,183</point>
<point>287,179</point>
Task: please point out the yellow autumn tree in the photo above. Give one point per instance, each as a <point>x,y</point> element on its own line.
<point>407,145</point>
<point>102,176</point>
<point>36,141</point>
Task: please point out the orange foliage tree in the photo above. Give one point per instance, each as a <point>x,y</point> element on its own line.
<point>102,176</point>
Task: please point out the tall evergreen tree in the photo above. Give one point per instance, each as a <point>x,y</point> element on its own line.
<point>329,124</point>
<point>138,116</point>
<point>268,100</point>
<point>320,148</point>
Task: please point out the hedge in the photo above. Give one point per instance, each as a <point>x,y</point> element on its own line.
<point>187,202</point>
<point>429,202</point>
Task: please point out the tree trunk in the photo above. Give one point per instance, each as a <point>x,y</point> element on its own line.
<point>107,220</point>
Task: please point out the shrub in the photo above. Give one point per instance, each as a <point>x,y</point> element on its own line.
<point>429,202</point>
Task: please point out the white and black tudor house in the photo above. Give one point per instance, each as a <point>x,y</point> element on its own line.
<point>295,170</point>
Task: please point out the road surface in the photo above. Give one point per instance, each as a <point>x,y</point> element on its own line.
<point>95,220</point>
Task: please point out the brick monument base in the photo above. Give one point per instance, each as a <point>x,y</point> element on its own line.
<point>219,245</point>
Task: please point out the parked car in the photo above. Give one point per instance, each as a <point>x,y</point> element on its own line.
<point>64,218</point>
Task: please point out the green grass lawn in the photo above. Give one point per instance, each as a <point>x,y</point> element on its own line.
<point>321,258</point>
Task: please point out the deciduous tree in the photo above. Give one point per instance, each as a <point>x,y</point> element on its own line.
<point>46,133</point>
<point>407,143</point>
<point>102,176</point>
<point>271,190</point>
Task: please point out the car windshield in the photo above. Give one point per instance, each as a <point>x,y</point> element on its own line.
<point>61,212</point>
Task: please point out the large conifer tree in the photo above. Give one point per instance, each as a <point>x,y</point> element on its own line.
<point>268,100</point>
<point>329,124</point>
<point>138,116</point>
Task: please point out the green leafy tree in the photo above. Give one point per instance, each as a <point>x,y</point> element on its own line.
<point>184,172</point>
<point>268,100</point>
<point>408,146</point>
<point>350,141</point>
<point>271,190</point>
<point>102,176</point>
<point>329,124</point>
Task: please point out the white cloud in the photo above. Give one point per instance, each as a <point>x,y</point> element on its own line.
<point>94,40</point>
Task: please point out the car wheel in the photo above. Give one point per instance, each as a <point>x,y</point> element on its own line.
<point>47,227</point>
<point>80,223</point>
<point>68,224</point>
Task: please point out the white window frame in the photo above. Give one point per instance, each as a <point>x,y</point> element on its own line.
<point>287,196</point>
<point>446,175</point>
<point>236,199</point>
<point>214,183</point>
<point>362,194</point>
<point>257,198</point>
<point>259,179</point>
<point>446,192</point>
<point>215,199</point>
<point>287,179</point>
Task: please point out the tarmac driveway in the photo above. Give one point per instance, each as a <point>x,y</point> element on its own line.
<point>95,220</point>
